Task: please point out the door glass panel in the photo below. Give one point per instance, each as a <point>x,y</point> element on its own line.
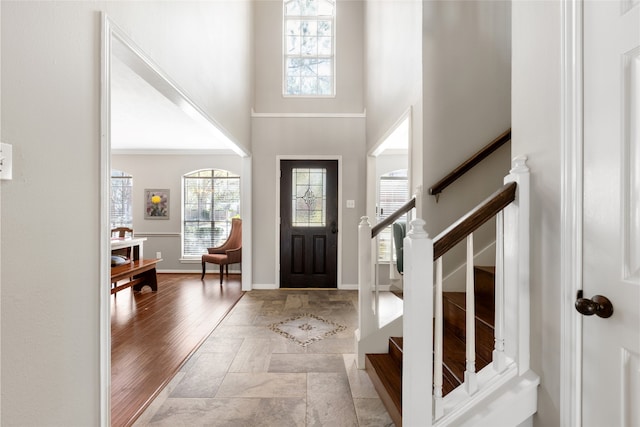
<point>309,197</point>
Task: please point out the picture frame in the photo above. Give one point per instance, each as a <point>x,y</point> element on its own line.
<point>156,204</point>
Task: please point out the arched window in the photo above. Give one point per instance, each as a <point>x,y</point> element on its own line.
<point>393,192</point>
<point>211,198</point>
<point>309,47</point>
<point>121,210</point>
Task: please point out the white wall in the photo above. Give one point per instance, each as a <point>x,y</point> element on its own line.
<point>268,62</point>
<point>305,137</point>
<point>51,209</point>
<point>466,79</point>
<point>166,171</point>
<point>205,47</point>
<point>537,133</point>
<point>393,73</point>
<point>280,128</point>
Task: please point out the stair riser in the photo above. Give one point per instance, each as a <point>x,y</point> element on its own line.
<point>387,380</point>
<point>395,350</point>
<point>484,282</point>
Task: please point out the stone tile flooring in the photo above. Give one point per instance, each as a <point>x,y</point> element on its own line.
<point>280,358</point>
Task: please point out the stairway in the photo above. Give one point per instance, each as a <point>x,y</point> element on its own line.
<point>385,369</point>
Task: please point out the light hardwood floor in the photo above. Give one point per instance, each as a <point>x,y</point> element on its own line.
<point>153,334</point>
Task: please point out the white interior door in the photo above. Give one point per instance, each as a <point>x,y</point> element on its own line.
<point>611,346</point>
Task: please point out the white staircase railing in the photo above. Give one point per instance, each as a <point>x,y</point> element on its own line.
<point>503,392</point>
<point>379,318</point>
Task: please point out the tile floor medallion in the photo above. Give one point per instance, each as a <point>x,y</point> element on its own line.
<point>306,329</point>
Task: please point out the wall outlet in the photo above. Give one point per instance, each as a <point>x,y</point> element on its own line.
<point>158,255</point>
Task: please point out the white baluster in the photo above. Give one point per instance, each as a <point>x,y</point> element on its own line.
<point>417,378</point>
<point>438,344</point>
<point>366,320</point>
<point>499,358</point>
<point>470,380</point>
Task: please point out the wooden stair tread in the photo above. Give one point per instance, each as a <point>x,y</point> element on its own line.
<point>454,361</point>
<point>385,369</point>
<point>386,377</point>
<point>487,268</point>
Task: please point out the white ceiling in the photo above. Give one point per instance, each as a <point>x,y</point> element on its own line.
<point>144,119</point>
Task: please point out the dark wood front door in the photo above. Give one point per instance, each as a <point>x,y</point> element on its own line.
<point>308,223</point>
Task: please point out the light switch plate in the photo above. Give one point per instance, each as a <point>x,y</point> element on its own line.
<point>6,161</point>
<point>351,203</point>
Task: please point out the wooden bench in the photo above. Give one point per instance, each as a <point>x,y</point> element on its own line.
<point>141,272</point>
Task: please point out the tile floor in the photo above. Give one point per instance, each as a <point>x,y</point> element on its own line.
<point>280,358</point>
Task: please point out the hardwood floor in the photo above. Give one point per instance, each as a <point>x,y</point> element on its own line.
<point>153,334</point>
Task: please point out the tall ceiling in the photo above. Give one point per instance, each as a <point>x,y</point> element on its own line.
<point>149,115</point>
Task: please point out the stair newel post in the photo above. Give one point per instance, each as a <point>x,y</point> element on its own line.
<point>438,345</point>
<point>470,379</point>
<point>516,268</point>
<point>366,319</point>
<point>499,358</point>
<point>417,376</point>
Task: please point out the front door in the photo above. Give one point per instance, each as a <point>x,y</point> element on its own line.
<point>611,239</point>
<point>308,223</point>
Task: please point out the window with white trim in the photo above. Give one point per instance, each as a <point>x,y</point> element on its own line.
<point>309,47</point>
<point>121,208</point>
<point>393,192</point>
<point>211,198</point>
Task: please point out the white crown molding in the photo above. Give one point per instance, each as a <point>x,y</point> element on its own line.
<point>151,152</point>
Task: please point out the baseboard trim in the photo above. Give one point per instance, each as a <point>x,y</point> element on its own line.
<point>198,271</point>
<point>262,286</point>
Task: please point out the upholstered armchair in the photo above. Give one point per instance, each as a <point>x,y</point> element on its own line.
<point>399,233</point>
<point>230,252</point>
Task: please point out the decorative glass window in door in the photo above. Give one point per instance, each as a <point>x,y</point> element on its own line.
<point>309,197</point>
<point>309,59</point>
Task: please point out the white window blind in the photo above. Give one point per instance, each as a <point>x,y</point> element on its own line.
<point>393,192</point>
<point>121,207</point>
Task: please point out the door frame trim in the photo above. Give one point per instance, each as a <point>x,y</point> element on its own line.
<point>572,207</point>
<point>280,157</point>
